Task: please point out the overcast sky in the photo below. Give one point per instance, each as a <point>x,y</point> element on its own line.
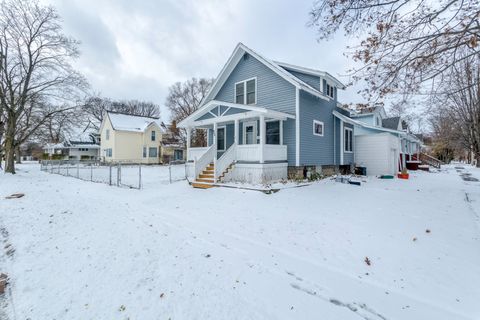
<point>137,49</point>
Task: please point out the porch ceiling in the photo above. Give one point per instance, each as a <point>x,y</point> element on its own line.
<point>250,112</point>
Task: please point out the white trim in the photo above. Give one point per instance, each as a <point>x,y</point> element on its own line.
<point>351,137</point>
<point>226,110</point>
<point>255,131</point>
<point>188,121</point>
<point>323,128</point>
<point>281,131</point>
<point>297,127</point>
<point>245,91</point>
<point>224,138</point>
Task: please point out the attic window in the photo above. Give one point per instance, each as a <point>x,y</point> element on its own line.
<point>245,56</point>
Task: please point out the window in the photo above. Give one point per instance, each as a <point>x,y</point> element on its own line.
<point>377,121</point>
<point>153,136</point>
<point>152,152</point>
<point>348,140</point>
<point>273,132</point>
<point>251,92</point>
<point>318,128</point>
<point>240,93</point>
<point>144,152</point>
<point>221,139</point>
<point>330,91</point>
<point>108,152</point>
<point>107,134</point>
<point>246,92</point>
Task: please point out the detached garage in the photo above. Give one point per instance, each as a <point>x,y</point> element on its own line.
<point>379,153</point>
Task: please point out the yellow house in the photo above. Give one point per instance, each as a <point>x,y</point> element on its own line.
<point>127,138</point>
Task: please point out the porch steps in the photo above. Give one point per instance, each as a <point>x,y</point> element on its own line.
<point>205,179</point>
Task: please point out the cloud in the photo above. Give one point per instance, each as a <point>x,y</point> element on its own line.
<point>137,49</point>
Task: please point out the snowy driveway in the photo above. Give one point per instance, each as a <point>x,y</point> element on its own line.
<point>90,251</point>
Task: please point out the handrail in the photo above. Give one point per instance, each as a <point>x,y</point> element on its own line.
<point>430,160</point>
<point>227,158</point>
<point>201,163</point>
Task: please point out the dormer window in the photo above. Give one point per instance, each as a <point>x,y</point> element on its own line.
<point>330,91</point>
<point>246,91</point>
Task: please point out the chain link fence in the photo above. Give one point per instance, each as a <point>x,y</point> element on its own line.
<point>121,174</point>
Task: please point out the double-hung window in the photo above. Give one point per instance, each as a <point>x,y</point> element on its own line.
<point>152,137</point>
<point>330,91</point>
<point>246,92</point>
<point>348,140</point>
<point>107,134</point>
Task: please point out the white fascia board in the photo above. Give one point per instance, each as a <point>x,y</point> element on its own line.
<point>297,127</point>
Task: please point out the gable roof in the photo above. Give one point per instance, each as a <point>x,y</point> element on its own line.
<point>237,54</point>
<point>391,123</point>
<point>127,122</point>
<point>311,71</point>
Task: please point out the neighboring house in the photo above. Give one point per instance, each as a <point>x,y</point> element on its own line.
<point>72,150</point>
<point>128,138</point>
<point>382,145</point>
<point>266,119</point>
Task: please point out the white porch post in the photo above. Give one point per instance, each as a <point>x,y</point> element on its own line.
<point>215,152</point>
<point>236,132</point>
<point>262,138</point>
<point>189,133</point>
<point>281,132</point>
<point>342,142</point>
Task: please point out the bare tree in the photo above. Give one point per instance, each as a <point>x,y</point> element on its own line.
<point>184,99</point>
<point>460,103</point>
<point>95,107</point>
<point>35,65</point>
<point>407,44</point>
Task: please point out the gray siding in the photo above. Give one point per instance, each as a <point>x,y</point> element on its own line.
<point>273,91</point>
<point>313,81</point>
<point>316,150</point>
<point>289,140</point>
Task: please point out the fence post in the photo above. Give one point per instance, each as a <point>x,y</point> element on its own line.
<point>170,172</point>
<point>110,178</point>
<point>78,170</point>
<point>59,163</point>
<point>119,173</point>
<point>139,176</point>
<point>91,172</point>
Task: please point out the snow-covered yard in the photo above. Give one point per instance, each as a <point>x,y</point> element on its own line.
<point>90,251</point>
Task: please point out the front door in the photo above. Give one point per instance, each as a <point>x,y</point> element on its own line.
<point>250,132</point>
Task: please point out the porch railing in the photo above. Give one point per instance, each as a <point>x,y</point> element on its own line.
<point>196,153</point>
<point>227,158</point>
<point>205,159</point>
<point>275,152</point>
<point>271,152</point>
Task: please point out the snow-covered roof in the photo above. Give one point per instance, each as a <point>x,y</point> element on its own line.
<point>322,74</point>
<point>126,122</point>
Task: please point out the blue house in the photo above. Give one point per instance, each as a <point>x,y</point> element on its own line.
<point>265,119</point>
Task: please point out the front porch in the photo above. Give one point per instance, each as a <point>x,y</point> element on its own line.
<point>244,143</point>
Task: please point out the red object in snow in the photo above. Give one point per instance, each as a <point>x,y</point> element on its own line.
<point>403,175</point>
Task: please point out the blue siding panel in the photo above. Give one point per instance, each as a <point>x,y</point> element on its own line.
<point>313,81</point>
<point>316,150</point>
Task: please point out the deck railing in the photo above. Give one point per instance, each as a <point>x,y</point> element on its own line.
<point>205,159</point>
<point>428,159</point>
<point>271,152</point>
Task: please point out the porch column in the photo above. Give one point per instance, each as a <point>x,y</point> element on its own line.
<point>281,131</point>
<point>236,137</point>
<point>189,134</point>
<point>262,138</point>
<point>215,152</point>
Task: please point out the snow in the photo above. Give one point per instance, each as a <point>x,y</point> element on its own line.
<point>92,251</point>
<point>127,122</point>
